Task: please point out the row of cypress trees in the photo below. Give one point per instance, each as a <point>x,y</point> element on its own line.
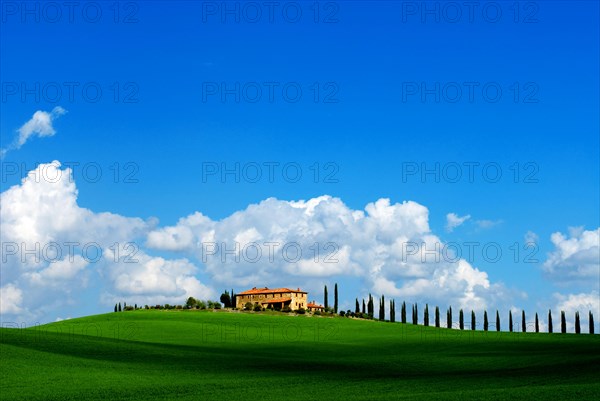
<point>369,309</point>
<point>461,321</point>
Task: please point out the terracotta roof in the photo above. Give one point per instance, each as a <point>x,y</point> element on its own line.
<point>313,305</point>
<point>276,301</point>
<point>266,290</point>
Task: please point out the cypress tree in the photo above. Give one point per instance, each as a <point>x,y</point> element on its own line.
<point>335,298</point>
<point>233,303</point>
<point>524,327</point>
<point>382,308</point>
<point>563,322</point>
<point>416,314</point>
<point>325,298</point>
<point>437,317</point>
<point>363,308</point>
<point>426,316</point>
<point>449,318</point>
<point>120,307</point>
<point>577,324</point>
<point>510,322</point>
<point>403,312</point>
<point>461,320</point>
<point>135,307</point>
<point>473,325</point>
<point>357,307</point>
<point>413,315</point>
<point>485,321</point>
<point>497,321</point>
<point>392,312</point>
<point>591,322</point>
<point>549,321</point>
<point>370,308</point>
<point>537,323</point>
<point>124,305</point>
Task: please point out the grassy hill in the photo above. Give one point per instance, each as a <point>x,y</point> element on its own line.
<point>181,355</point>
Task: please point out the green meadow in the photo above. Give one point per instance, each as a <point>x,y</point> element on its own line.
<point>206,355</point>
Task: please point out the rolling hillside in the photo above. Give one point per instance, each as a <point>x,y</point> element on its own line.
<point>175,355</point>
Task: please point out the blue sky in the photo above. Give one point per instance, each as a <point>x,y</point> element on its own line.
<point>164,116</point>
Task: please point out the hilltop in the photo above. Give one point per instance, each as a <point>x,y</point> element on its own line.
<point>209,355</point>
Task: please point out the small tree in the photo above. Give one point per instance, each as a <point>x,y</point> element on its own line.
<point>191,302</point>
<point>416,314</point>
<point>510,322</point>
<point>248,306</point>
<point>426,316</point>
<point>325,298</point>
<point>233,300</point>
<point>549,321</point>
<point>335,298</point>
<point>437,317</point>
<point>120,307</point>
<point>135,306</point>
<point>449,318</point>
<point>523,324</point>
<point>364,310</point>
<point>382,308</point>
<point>497,321</point>
<point>563,322</point>
<point>357,307</point>
<point>115,307</point>
<point>577,324</point>
<point>225,299</point>
<point>591,322</point>
<point>403,312</point>
<point>392,311</point>
<point>485,321</point>
<point>537,323</point>
<point>461,320</point>
<point>473,325</point>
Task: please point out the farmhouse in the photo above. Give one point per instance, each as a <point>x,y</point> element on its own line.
<point>272,298</point>
<point>313,307</point>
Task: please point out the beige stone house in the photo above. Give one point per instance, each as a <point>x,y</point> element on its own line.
<point>271,298</point>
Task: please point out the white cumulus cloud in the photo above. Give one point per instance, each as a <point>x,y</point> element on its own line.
<point>45,234</point>
<point>576,257</point>
<point>278,242</point>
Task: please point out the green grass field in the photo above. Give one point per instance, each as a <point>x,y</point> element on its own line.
<point>205,355</point>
